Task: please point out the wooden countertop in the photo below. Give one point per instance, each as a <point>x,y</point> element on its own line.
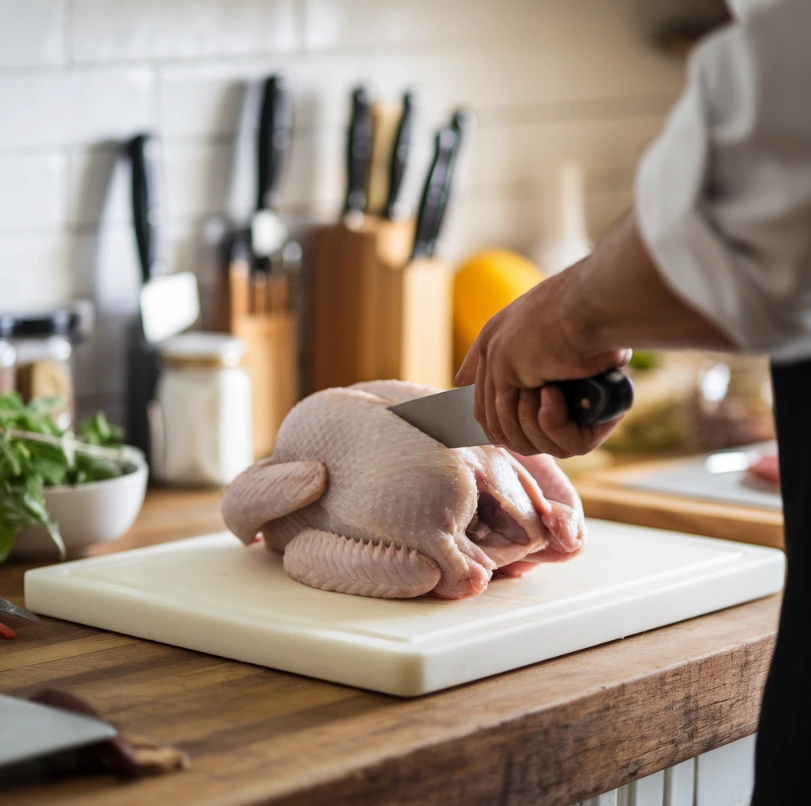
<point>552,734</point>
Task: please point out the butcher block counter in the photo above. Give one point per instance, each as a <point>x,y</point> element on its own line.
<point>554,733</point>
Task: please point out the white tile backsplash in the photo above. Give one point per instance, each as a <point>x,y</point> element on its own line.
<point>32,33</point>
<point>34,270</point>
<point>548,80</point>
<point>161,30</point>
<point>32,191</point>
<point>72,107</point>
<point>99,188</point>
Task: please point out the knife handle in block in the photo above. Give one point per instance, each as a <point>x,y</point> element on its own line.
<point>596,400</point>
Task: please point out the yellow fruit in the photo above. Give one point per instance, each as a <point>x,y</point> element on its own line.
<point>483,285</point>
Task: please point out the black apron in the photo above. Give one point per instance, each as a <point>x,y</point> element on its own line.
<point>783,755</point>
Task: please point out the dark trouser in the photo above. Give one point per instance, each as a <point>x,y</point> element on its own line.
<point>783,756</point>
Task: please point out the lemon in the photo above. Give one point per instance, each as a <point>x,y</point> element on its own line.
<point>484,284</point>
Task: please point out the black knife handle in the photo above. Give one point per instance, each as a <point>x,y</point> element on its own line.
<point>275,125</point>
<point>596,400</point>
<point>399,155</point>
<point>432,202</point>
<point>145,157</point>
<point>359,150</point>
<point>462,123</point>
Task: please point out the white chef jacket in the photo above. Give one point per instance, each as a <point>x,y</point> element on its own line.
<point>723,197</point>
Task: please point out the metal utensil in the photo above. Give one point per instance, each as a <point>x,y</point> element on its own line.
<point>448,416</point>
<point>434,194</point>
<point>17,610</point>
<point>30,730</point>
<point>268,231</point>
<point>169,303</point>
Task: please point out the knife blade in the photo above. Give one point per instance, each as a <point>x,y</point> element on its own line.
<point>432,202</point>
<point>268,231</point>
<point>399,158</point>
<point>17,610</point>
<point>448,416</point>
<point>30,730</point>
<point>359,152</point>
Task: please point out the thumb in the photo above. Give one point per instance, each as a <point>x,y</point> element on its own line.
<point>467,372</point>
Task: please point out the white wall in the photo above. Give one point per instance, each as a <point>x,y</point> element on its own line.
<point>550,79</point>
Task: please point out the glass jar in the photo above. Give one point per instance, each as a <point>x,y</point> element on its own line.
<point>200,421</point>
<point>732,402</point>
<point>42,343</point>
<point>8,358</point>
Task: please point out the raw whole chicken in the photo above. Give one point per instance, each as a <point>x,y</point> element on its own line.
<point>361,502</point>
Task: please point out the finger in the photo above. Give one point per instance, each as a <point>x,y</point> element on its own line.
<point>559,427</point>
<point>467,372</point>
<point>529,404</point>
<point>624,358</point>
<point>507,412</point>
<point>493,430</point>
<point>478,395</point>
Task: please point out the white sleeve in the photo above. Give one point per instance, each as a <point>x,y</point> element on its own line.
<point>723,197</point>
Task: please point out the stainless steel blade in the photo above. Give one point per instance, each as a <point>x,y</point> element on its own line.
<point>17,610</point>
<point>445,416</point>
<point>30,730</point>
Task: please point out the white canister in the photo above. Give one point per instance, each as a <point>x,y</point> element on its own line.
<point>201,425</point>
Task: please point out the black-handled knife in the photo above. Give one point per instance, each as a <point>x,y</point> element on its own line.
<point>145,158</point>
<point>448,416</point>
<point>359,151</point>
<point>432,202</point>
<point>268,231</point>
<point>399,157</point>
<point>275,127</point>
<point>462,123</point>
<point>596,400</point>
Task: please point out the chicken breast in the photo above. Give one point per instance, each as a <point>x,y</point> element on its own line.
<point>361,502</point>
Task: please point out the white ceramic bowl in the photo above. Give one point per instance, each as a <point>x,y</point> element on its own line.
<point>98,512</point>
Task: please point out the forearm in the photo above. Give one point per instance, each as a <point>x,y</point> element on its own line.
<point>618,299</point>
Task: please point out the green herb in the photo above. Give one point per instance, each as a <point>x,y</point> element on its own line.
<point>35,453</point>
<point>644,359</point>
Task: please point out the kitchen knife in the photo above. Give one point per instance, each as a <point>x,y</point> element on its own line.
<point>268,231</point>
<point>432,202</point>
<point>17,610</point>
<point>385,122</point>
<point>359,152</point>
<point>399,158</point>
<point>31,730</point>
<point>448,416</point>
<point>169,303</point>
<point>462,123</point>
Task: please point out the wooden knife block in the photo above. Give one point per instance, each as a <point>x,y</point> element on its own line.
<point>270,356</point>
<point>373,313</point>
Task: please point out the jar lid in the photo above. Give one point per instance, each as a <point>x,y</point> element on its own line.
<point>63,322</point>
<point>217,349</point>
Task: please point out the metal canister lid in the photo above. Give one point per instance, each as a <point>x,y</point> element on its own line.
<point>203,349</point>
<point>61,322</point>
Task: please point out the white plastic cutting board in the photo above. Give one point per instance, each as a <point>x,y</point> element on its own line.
<point>213,595</point>
<point>692,479</point>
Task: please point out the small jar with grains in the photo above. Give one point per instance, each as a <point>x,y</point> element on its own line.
<point>43,346</point>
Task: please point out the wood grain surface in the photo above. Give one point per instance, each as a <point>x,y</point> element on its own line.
<point>554,733</point>
<point>605,495</point>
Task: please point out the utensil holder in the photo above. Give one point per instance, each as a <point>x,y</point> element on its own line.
<point>375,314</point>
<point>270,340</point>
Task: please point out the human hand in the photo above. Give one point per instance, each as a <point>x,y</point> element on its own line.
<point>520,352</point>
